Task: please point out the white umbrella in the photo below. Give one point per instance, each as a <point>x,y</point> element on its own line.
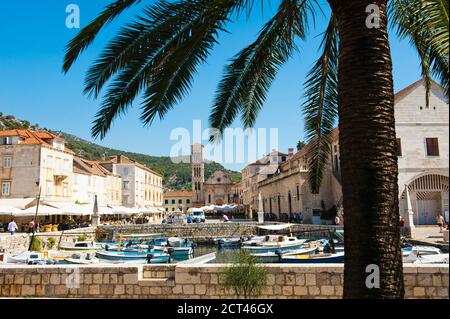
<point>9,210</point>
<point>43,211</point>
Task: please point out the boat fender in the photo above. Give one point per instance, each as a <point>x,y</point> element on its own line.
<point>170,250</point>
<point>106,247</point>
<point>149,258</point>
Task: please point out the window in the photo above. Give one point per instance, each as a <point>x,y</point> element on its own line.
<point>398,147</point>
<point>6,188</point>
<point>6,162</point>
<point>166,202</point>
<point>298,192</point>
<point>125,199</point>
<point>126,171</point>
<point>126,185</point>
<point>432,146</point>
<point>188,201</point>
<point>7,140</point>
<point>180,201</point>
<point>173,201</point>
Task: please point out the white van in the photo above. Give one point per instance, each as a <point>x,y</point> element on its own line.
<point>198,215</point>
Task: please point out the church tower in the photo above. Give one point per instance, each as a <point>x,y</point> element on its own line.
<point>198,173</point>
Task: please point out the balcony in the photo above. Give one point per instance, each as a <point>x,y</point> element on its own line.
<point>60,174</point>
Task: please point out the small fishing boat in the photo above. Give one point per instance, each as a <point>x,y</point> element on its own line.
<point>432,259</point>
<point>83,246</point>
<point>273,243</point>
<point>27,257</point>
<point>82,259</point>
<point>274,257</point>
<point>230,242</point>
<point>422,250</point>
<point>423,254</point>
<point>151,257</point>
<point>314,259</point>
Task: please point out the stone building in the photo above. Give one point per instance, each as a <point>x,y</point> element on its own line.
<point>90,179</point>
<point>177,201</point>
<point>141,186</point>
<point>218,189</point>
<point>423,161</point>
<point>35,159</point>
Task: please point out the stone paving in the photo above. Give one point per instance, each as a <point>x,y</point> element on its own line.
<point>428,234</point>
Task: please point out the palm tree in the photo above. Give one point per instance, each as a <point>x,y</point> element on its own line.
<point>158,54</point>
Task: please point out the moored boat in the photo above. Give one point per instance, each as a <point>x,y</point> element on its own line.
<point>83,246</point>
<point>229,242</point>
<point>314,259</point>
<point>274,257</point>
<point>273,243</point>
<point>150,257</point>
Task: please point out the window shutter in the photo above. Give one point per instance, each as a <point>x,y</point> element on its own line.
<point>399,147</point>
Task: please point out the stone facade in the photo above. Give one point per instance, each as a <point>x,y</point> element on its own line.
<point>423,157</point>
<point>177,201</point>
<point>184,281</point>
<point>141,186</point>
<point>19,243</point>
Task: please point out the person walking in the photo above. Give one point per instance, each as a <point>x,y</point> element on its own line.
<point>440,221</point>
<point>12,227</point>
<point>31,226</point>
<point>337,220</point>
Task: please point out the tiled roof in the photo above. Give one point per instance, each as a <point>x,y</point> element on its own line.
<point>83,166</point>
<point>178,194</point>
<point>31,137</point>
<point>121,159</point>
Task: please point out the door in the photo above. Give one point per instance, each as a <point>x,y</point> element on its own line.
<point>428,209</point>
<point>316,217</point>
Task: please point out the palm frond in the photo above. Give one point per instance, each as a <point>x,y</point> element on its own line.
<point>175,39</point>
<point>85,37</point>
<point>248,77</point>
<point>425,24</point>
<point>321,105</point>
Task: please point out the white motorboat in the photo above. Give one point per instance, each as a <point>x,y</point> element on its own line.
<point>83,246</point>
<point>423,254</point>
<point>432,259</point>
<point>82,259</point>
<point>27,257</point>
<point>273,243</point>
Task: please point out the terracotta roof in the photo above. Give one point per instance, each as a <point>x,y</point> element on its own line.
<point>178,194</point>
<point>121,159</point>
<point>30,137</point>
<point>83,166</point>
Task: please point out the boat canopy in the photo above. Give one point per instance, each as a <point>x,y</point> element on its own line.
<point>275,227</point>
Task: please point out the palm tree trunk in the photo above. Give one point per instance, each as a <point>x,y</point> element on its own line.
<point>368,157</point>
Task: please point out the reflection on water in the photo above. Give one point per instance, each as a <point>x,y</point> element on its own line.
<point>222,255</point>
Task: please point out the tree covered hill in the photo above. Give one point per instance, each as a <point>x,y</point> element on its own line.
<point>176,175</point>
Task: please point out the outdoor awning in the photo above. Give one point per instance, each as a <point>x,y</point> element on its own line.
<point>122,210</point>
<point>9,210</point>
<point>20,203</point>
<point>42,211</point>
<point>275,227</point>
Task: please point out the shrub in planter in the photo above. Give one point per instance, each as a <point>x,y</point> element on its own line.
<point>36,244</point>
<point>51,242</point>
<point>245,277</point>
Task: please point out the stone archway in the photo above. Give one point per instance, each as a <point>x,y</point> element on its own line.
<point>429,196</point>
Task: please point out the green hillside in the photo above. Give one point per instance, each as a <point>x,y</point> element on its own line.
<point>176,176</point>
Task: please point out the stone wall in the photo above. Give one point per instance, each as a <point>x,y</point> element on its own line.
<point>200,232</point>
<point>185,281</point>
<point>20,241</point>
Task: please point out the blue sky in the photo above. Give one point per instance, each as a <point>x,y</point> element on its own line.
<point>33,87</point>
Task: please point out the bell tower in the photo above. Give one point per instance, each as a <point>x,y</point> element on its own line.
<point>198,173</point>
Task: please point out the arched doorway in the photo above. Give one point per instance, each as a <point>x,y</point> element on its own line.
<point>429,195</point>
